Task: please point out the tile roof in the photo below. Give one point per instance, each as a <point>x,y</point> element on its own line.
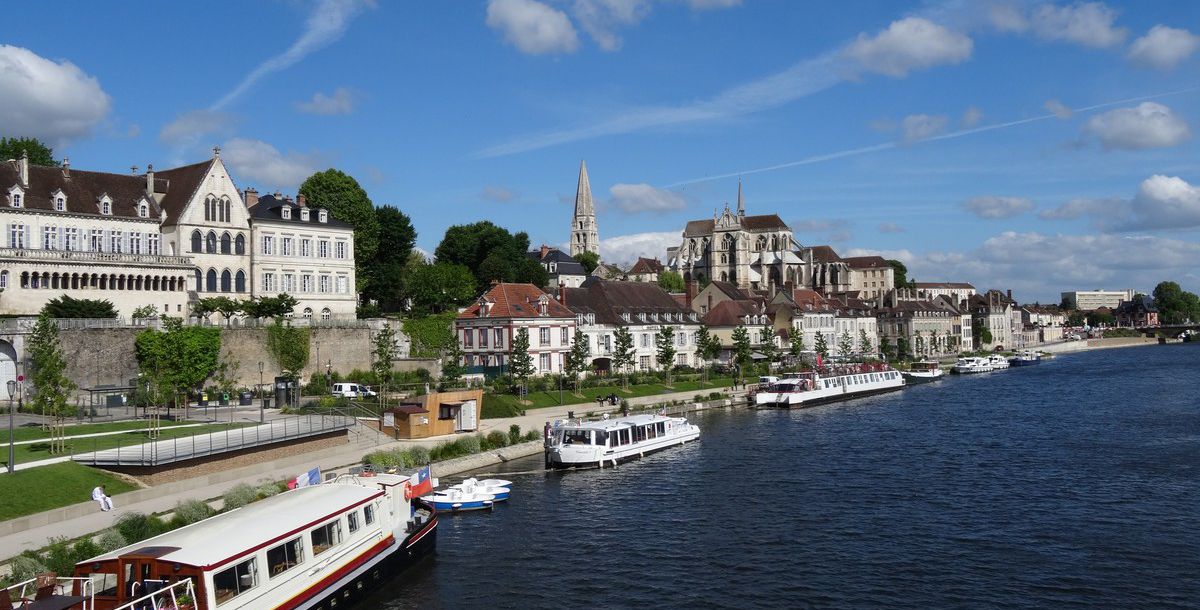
<point>270,209</point>
<point>609,300</point>
<point>83,189</point>
<point>805,296</point>
<point>866,262</point>
<point>516,301</point>
<point>646,265</point>
<point>183,182</point>
<point>731,313</point>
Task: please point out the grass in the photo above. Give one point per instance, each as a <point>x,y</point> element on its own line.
<point>32,433</point>
<point>41,451</point>
<point>26,492</point>
<point>507,405</point>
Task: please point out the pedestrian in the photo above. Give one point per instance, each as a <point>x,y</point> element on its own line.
<point>101,497</point>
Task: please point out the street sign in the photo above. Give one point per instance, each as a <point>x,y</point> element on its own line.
<point>20,378</point>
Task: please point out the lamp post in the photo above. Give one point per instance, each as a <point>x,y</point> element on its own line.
<point>328,375</point>
<point>262,412</point>
<point>12,390</point>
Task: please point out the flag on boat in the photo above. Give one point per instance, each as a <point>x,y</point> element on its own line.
<point>420,483</point>
<point>312,477</point>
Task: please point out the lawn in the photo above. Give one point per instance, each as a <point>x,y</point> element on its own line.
<point>507,405</point>
<point>41,451</point>
<point>30,433</point>
<point>39,489</point>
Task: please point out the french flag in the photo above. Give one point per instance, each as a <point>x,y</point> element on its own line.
<point>312,477</point>
<point>420,483</point>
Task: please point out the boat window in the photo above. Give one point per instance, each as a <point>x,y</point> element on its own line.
<point>230,583</point>
<point>104,584</point>
<point>352,521</point>
<point>602,438</point>
<point>662,428</point>
<point>369,514</point>
<point>285,556</point>
<point>577,437</point>
<point>624,436</point>
<point>326,536</point>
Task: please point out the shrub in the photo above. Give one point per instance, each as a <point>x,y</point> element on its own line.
<point>191,511</point>
<point>59,557</point>
<point>497,439</point>
<point>26,566</point>
<point>514,434</point>
<point>268,489</point>
<point>110,540</point>
<point>419,455</point>
<point>381,459</point>
<point>136,527</point>
<point>470,444</point>
<point>239,496</point>
<point>532,435</point>
<point>84,550</point>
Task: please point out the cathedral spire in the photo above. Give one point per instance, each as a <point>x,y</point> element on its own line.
<point>585,236</point>
<point>583,194</point>
<point>741,201</point>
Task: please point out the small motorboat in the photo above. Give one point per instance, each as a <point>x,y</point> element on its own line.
<point>924,372</point>
<point>971,364</point>
<point>998,362</point>
<point>498,488</point>
<point>1026,357</point>
<point>454,499</point>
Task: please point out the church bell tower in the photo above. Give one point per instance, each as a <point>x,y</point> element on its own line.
<point>585,237</point>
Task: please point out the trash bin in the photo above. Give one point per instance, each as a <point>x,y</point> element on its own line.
<point>246,399</point>
<point>266,402</point>
<point>203,402</point>
<point>224,399</point>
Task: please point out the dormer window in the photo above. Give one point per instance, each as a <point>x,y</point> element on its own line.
<point>105,205</point>
<point>16,197</point>
<point>323,216</point>
<point>143,209</point>
<point>304,214</point>
<point>286,212</point>
<point>60,201</point>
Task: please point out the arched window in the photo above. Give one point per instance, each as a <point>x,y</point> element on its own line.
<point>197,242</point>
<point>210,244</point>
<point>239,244</point>
<point>239,282</point>
<point>727,242</point>
<point>199,281</point>
<point>208,208</point>
<point>225,244</point>
<point>308,313</point>
<point>3,279</point>
<point>210,282</point>
<point>143,210</point>
<point>326,314</point>
<point>760,243</point>
<point>226,281</point>
<point>228,212</point>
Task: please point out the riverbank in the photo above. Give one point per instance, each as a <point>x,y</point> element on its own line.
<point>1067,347</point>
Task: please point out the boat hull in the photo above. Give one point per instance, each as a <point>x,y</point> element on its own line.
<point>800,403</point>
<point>1017,362</point>
<point>621,455</point>
<point>913,378</point>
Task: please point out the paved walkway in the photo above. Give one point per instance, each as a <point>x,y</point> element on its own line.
<point>109,433</point>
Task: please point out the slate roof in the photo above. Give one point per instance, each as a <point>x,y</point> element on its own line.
<point>958,285</point>
<point>182,184</point>
<point>270,209</point>
<point>83,189</point>
<point>565,263</point>
<point>1144,303</point>
<point>825,254</point>
<point>731,290</point>
<point>731,313</point>
<point>762,222</point>
<point>608,300</point>
<point>866,262</point>
<point>517,301</point>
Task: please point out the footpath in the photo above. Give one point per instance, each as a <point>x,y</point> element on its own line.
<point>78,520</point>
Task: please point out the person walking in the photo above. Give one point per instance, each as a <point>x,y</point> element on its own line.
<point>101,498</point>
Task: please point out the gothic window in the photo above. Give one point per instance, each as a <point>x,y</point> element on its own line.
<point>199,281</point>
<point>208,209</point>
<point>228,211</point>
<point>239,245</point>
<point>727,242</point>
<point>210,245</point>
<point>197,242</point>
<point>761,243</point>
<point>210,281</point>
<point>226,281</point>
<point>225,244</point>
<point>239,284</point>
<point>775,242</point>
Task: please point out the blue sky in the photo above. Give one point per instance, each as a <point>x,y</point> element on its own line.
<point>1033,146</point>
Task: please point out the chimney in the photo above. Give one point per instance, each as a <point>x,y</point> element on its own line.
<point>278,196</point>
<point>133,170</point>
<point>562,292</point>
<point>301,200</point>
<point>66,167</point>
<point>691,289</point>
<point>1010,294</point>
<point>545,249</point>
<point>251,197</point>
<point>150,179</point>
<point>23,168</point>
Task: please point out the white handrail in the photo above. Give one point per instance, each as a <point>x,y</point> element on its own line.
<point>86,588</point>
<point>164,599</point>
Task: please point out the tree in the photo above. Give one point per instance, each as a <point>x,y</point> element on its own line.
<point>145,312</point>
<point>65,306</point>
<point>671,281</point>
<point>845,344</point>
<point>579,358</point>
<point>270,307</point>
<point>864,342</point>
<point>492,253</point>
<point>381,356</point>
<point>590,260</point>
<point>452,363</point>
<point>664,345</point>
<point>885,347</point>
<point>178,358</point>
<point>901,348</point>
<point>796,346</point>
<point>766,341</point>
<point>822,346</point>
<point>622,351</point>
<point>983,334</point>
<point>900,274</point>
<point>1101,318</point>
<point>1175,305</point>
<point>440,287</point>
<point>520,362</point>
<point>933,341</point>
<point>223,305</point>
<point>1076,318</point>
<point>703,338</point>
<point>741,349</point>
<point>347,201</point>
<point>51,386</point>
<point>919,342</point>
<point>389,269</point>
<point>15,148</point>
<point>289,346</point>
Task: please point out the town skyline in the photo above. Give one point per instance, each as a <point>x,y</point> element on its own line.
<point>892,131</point>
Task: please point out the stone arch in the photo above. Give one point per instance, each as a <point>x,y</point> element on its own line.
<point>226,281</point>
<point>210,281</point>
<point>226,244</point>
<point>197,241</point>
<point>8,363</point>
<point>210,242</point>
<point>239,282</point>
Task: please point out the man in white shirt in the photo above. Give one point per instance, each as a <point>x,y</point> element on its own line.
<point>102,498</point>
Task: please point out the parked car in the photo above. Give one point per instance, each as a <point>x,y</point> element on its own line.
<point>352,390</point>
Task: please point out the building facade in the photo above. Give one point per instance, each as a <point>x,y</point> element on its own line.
<point>957,292</point>
<point>642,309</point>
<point>486,329</point>
<point>870,276</point>
<point>585,233</point>
<point>561,268</point>
<point>1091,300</point>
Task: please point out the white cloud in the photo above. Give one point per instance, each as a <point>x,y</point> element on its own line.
<point>600,18</point>
<point>326,24</point>
<point>533,27</point>
<point>189,128</point>
<point>51,100</point>
<point>1164,202</point>
<point>625,249</point>
<point>705,5</point>
<point>971,117</point>
<point>920,126</point>
<point>1089,24</point>
<point>998,207</point>
<point>1147,125</point>
<point>891,227</point>
<point>1007,18</point>
<point>1059,109</point>
<point>255,161</point>
<point>909,44</point>
<point>634,198</point>
<point>1082,206</point>
<point>1163,47</point>
<point>498,194</point>
<point>340,102</point>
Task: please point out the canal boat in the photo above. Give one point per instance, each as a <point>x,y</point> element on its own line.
<point>310,548</point>
<point>1025,357</point>
<point>577,443</point>
<point>924,372</point>
<point>998,362</point>
<point>971,364</point>
<point>829,384</point>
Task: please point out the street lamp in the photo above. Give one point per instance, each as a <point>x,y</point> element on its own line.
<point>262,412</point>
<point>12,390</point>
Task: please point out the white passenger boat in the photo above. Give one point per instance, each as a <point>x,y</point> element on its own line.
<point>831,384</point>
<point>924,372</point>
<point>998,362</point>
<point>575,443</point>
<point>971,364</point>
<point>308,548</point>
<point>1025,357</point>
<point>456,499</point>
<point>491,487</point>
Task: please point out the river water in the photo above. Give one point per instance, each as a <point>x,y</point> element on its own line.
<point>1075,483</point>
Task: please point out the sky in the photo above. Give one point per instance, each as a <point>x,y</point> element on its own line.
<point>1038,147</point>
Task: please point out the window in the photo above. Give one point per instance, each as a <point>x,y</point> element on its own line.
<point>307,313</point>
<point>468,338</point>
<point>153,244</point>
<point>15,198</point>
<point>285,246</point>
<point>106,207</point>
<point>306,247</point>
<point>285,556</point>
<point>285,212</point>
<point>324,283</point>
<point>369,514</point>
<point>482,337</point>
<point>197,241</point>
<point>304,214</point>
<point>645,363</point>
<point>268,244</point>
<point>545,362</point>
<point>566,338</point>
<point>226,244</point>
<point>326,314</point>
<point>306,283</point>
<point>226,281</point>
<point>544,336</point>
<point>239,284</point>
<point>450,411</point>
<point>135,243</point>
<point>60,203</point>
<point>268,282</point>
<point>341,249</point>
<point>289,283</point>
<point>498,335</point>
<point>343,284</point>
<point>645,340</point>
<point>210,243</point>
<point>228,584</point>
<point>323,248</point>
<point>323,216</point>
<point>49,238</point>
<point>352,521</point>
<point>208,209</point>
<point>3,279</point>
<point>239,245</point>
<point>143,210</point>
<point>210,281</point>
<point>17,236</point>
<point>326,536</point>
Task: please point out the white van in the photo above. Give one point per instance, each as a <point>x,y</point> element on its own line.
<point>352,390</point>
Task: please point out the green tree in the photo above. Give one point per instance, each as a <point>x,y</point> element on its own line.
<point>864,342</point>
<point>579,358</point>
<point>1175,305</point>
<point>885,348</point>
<point>766,340</point>
<point>270,307</point>
<point>741,350</point>
<point>671,281</point>
<point>664,345</point>
<point>390,267</point>
<point>178,358</point>
<point>845,344</point>
<point>703,338</point>
<point>66,306</point>
<point>1100,318</point>
<point>622,351</point>
<point>492,253</point>
<point>796,343</point>
<point>348,202</point>
<point>900,274</point>
<point>289,347</point>
<point>520,361</point>
<point>821,346</point>
<point>15,148</point>
<point>983,334</point>
<point>145,312</point>
<point>452,364</point>
<point>919,343</point>
<point>440,287</point>
<point>48,375</point>
<point>223,305</point>
<point>933,341</point>
<point>381,356</point>
<point>589,260</point>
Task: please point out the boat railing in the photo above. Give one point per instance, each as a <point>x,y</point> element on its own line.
<point>176,596</point>
<point>29,591</point>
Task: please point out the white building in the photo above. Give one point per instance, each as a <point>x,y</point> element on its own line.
<point>957,292</point>
<point>303,252</point>
<point>870,276</point>
<point>1090,300</point>
<point>486,329</point>
<point>643,309</point>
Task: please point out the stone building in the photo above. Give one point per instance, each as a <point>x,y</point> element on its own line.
<point>585,234</point>
<point>870,276</point>
<point>561,268</point>
<point>643,309</point>
<point>645,270</point>
<point>957,292</point>
<point>487,328</point>
<point>992,310</point>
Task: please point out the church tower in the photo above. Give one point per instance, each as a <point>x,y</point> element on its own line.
<point>584,235</point>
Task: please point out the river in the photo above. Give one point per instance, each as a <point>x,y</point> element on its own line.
<point>1069,484</point>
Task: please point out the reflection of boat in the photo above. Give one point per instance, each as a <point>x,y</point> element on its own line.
<point>998,362</point>
<point>971,364</point>
<point>597,443</point>
<point>924,372</point>
<point>840,382</point>
<point>457,499</point>
<point>1026,357</point>
<point>498,492</point>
